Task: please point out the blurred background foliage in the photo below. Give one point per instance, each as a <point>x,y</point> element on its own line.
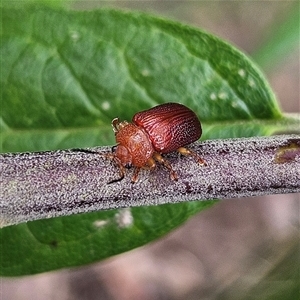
<point>240,249</point>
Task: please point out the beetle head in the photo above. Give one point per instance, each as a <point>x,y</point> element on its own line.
<point>122,156</point>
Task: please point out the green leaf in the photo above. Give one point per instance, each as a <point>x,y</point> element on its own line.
<point>101,64</point>
<point>66,74</point>
<point>80,239</point>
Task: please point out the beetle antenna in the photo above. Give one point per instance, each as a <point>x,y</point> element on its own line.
<point>116,180</point>
<point>84,150</point>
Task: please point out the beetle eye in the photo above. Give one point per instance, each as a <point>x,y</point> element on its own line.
<point>113,148</point>
<point>128,165</point>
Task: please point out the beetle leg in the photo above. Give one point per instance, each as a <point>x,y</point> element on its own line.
<point>160,159</point>
<point>150,164</point>
<point>184,151</point>
<point>135,175</point>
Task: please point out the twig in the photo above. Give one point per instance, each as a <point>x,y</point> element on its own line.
<point>60,183</point>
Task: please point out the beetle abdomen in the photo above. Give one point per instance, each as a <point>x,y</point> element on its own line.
<point>170,126</point>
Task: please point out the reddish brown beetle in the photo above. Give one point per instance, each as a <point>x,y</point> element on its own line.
<point>161,129</point>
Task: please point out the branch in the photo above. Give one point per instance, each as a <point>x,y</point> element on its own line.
<point>60,183</point>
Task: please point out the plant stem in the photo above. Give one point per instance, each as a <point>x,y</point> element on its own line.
<point>64,182</point>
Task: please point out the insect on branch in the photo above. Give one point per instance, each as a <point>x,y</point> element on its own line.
<point>64,182</point>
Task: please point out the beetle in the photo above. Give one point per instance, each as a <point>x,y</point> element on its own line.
<point>162,129</point>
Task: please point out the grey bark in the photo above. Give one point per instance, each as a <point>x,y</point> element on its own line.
<point>64,182</point>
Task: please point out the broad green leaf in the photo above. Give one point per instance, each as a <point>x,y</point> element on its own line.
<point>80,239</point>
<point>81,69</point>
<point>66,74</point>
